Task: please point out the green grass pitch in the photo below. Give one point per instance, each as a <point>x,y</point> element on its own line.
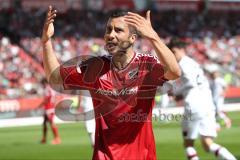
<point>22,143</point>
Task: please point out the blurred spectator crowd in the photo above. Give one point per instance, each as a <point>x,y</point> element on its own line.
<point>17,78</point>
<point>76,23</point>
<point>213,38</point>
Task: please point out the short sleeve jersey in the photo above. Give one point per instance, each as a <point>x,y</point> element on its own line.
<point>123,101</point>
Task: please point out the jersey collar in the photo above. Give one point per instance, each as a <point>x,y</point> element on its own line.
<point>122,69</point>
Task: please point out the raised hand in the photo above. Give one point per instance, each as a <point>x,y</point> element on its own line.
<point>48,28</point>
<point>143,25</point>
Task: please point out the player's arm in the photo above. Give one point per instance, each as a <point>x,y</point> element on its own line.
<point>225,87</point>
<point>44,102</point>
<point>50,61</point>
<point>165,55</point>
<point>178,90</point>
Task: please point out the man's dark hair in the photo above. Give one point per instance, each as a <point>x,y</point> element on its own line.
<point>176,42</point>
<point>117,13</point>
<point>120,13</point>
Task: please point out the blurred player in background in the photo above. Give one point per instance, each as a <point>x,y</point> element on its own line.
<point>115,82</point>
<point>49,113</point>
<point>194,88</point>
<point>85,102</point>
<point>218,88</point>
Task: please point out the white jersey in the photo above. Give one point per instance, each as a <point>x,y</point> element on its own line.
<point>194,87</point>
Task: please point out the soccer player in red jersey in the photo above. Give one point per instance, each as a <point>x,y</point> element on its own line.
<point>49,113</point>
<point>122,85</point>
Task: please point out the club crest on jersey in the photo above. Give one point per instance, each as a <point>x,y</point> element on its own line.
<point>133,74</point>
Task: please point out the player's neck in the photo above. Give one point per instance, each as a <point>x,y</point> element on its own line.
<point>122,60</point>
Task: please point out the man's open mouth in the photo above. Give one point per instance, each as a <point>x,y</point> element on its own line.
<point>111,45</point>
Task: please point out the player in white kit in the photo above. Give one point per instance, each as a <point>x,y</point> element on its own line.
<point>86,103</point>
<point>193,86</point>
<point>218,88</point>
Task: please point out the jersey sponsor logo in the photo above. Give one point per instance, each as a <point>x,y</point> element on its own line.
<point>122,92</point>
<point>148,55</point>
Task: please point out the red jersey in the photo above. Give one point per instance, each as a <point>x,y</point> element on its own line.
<point>49,95</point>
<point>123,102</point>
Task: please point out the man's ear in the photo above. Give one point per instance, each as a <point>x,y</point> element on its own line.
<point>133,38</point>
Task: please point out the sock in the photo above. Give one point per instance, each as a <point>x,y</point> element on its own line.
<point>191,153</point>
<point>221,152</point>
<point>44,132</point>
<point>55,131</point>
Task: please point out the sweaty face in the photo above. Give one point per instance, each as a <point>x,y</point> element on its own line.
<point>117,36</point>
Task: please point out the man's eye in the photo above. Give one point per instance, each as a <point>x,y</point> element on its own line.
<point>118,30</point>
